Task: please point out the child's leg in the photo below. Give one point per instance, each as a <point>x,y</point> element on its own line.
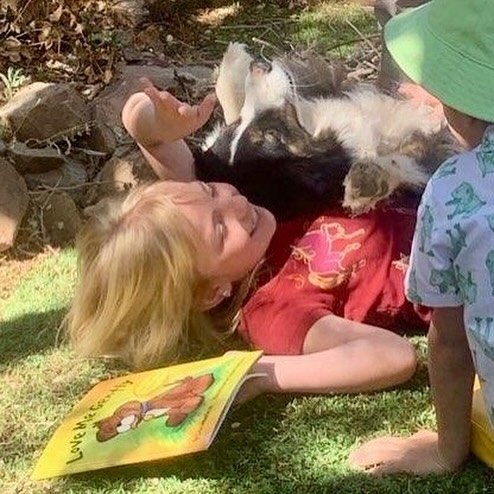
<point>482,431</point>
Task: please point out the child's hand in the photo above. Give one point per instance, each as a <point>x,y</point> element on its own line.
<point>416,454</point>
<point>174,119</point>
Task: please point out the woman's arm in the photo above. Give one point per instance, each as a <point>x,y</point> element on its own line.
<point>159,122</point>
<point>340,356</point>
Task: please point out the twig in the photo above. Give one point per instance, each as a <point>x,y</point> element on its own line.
<point>353,40</point>
<point>72,187</point>
<point>256,26</point>
<point>52,191</point>
<point>364,38</point>
<point>265,43</point>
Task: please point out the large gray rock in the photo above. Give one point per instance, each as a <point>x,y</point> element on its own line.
<point>13,203</point>
<point>101,137</point>
<point>72,176</point>
<point>121,173</point>
<point>112,99</point>
<point>28,160</point>
<point>60,216</point>
<point>42,111</point>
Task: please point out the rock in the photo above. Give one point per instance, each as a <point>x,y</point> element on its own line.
<point>149,39</point>
<point>101,137</point>
<point>28,160</point>
<point>112,99</point>
<point>13,203</point>
<point>42,111</point>
<point>61,219</point>
<point>3,148</point>
<point>70,174</point>
<point>121,173</point>
<point>130,12</point>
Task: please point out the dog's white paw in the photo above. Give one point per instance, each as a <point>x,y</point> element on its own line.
<point>369,181</point>
<point>236,55</point>
<point>230,85</point>
<point>365,185</point>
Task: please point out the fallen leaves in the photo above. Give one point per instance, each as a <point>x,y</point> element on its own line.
<point>70,39</point>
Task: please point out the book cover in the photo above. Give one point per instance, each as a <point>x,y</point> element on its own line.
<point>146,416</point>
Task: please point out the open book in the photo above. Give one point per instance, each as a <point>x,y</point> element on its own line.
<point>146,416</point>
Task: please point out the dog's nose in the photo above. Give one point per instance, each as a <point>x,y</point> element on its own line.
<point>261,66</point>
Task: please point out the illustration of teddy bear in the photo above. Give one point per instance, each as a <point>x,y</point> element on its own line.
<point>176,403</point>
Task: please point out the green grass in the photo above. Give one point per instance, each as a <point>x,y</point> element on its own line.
<point>330,25</point>
<point>323,26</point>
<point>275,445</point>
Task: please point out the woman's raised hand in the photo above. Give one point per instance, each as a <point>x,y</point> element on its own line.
<point>175,119</point>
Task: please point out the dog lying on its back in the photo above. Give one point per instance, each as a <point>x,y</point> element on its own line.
<point>295,149</point>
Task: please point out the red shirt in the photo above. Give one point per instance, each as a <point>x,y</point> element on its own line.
<point>350,267</point>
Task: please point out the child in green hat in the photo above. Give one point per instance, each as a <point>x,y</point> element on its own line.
<point>447,46</point>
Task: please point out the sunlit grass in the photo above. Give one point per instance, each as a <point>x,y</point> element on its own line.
<point>282,444</point>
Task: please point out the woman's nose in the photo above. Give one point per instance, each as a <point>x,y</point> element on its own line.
<point>238,206</point>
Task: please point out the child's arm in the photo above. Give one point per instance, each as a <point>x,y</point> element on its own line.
<point>451,375</point>
<point>159,122</point>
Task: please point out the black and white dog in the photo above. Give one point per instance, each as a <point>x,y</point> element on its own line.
<point>302,148</point>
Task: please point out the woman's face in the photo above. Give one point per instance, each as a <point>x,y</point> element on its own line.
<point>233,234</point>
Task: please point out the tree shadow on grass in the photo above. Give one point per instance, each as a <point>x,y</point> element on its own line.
<point>28,334</point>
<point>250,455</point>
<point>279,444</point>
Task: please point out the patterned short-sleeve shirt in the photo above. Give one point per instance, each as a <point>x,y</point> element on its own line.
<point>452,260</point>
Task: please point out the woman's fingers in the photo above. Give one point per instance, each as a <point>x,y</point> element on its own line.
<point>180,118</point>
<point>206,107</point>
<point>199,113</point>
<point>161,99</point>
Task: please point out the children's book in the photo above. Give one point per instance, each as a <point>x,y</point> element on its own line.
<point>146,416</point>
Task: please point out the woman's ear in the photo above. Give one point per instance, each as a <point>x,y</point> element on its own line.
<point>214,295</point>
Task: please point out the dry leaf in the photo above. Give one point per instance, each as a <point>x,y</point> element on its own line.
<point>55,16</point>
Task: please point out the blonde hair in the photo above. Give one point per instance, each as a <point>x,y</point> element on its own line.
<point>139,290</point>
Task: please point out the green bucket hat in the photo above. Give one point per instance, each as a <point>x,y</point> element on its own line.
<point>447,46</point>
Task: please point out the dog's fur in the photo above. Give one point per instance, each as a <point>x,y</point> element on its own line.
<point>297,148</point>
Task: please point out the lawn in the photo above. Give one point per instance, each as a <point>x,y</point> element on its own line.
<point>272,445</point>
<point>275,444</point>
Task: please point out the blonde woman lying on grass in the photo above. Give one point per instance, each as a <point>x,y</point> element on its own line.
<point>164,271</point>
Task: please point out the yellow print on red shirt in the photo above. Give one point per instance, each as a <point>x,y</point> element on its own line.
<point>324,250</point>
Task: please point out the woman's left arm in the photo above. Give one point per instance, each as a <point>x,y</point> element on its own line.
<point>340,356</point>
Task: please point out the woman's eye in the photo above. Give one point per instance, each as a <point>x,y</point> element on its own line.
<point>208,188</point>
<point>221,228</point>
